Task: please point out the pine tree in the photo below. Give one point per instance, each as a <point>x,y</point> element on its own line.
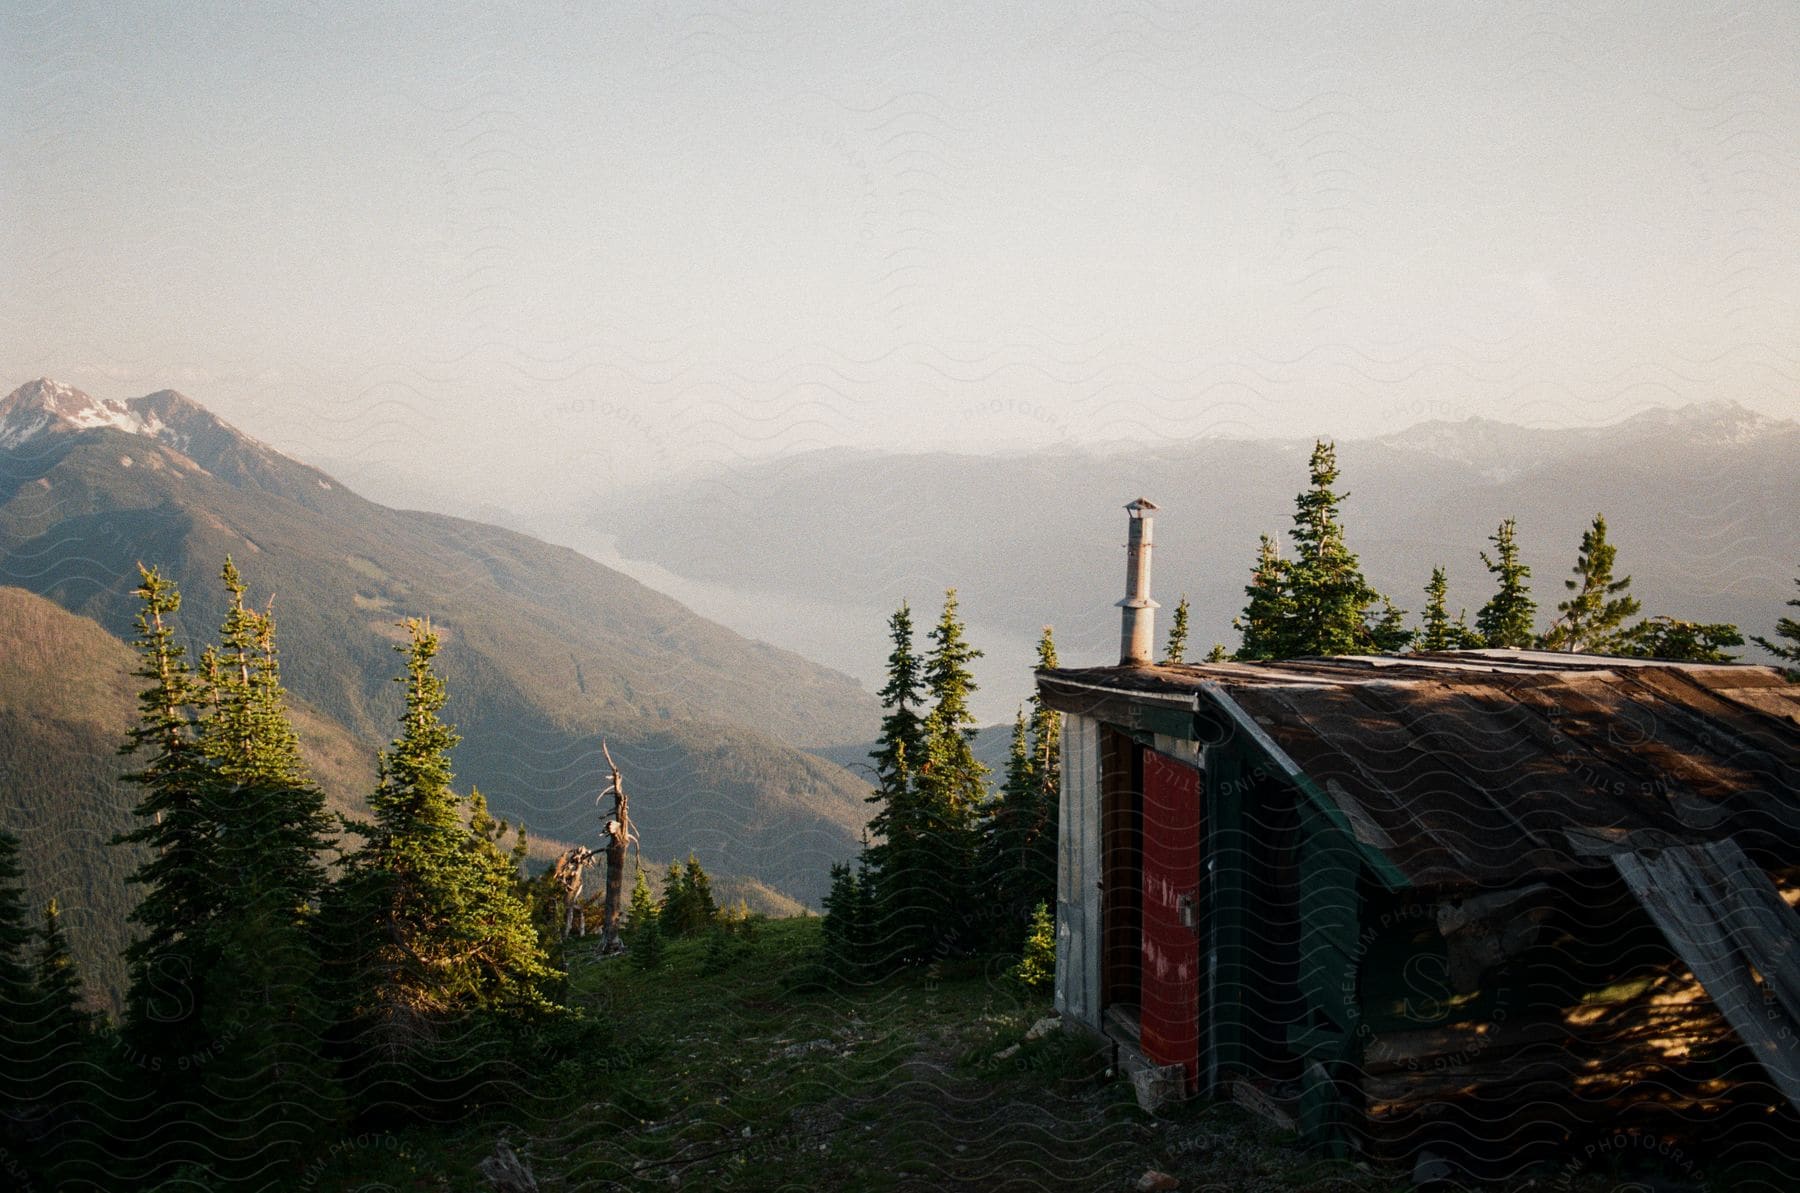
<point>949,682</point>
<point>952,784</point>
<point>246,731</point>
<point>1389,634</point>
<point>842,933</point>
<point>1505,621</point>
<point>63,1027</point>
<point>1438,632</point>
<point>271,826</point>
<point>1435,632</point>
<point>899,750</point>
<point>1006,863</point>
<point>1046,750</point>
<point>642,908</point>
<point>925,857</point>
<point>1176,652</point>
<point>698,909</point>
<point>1591,618</point>
<point>1677,640</point>
<point>1042,832</point>
<point>183,884</point>
<point>18,995</point>
<point>1787,629</point>
<point>673,911</point>
<point>266,1089</point>
<point>489,834</point>
<point>1328,598</point>
<point>1037,967</point>
<point>447,931</point>
<point>872,952</point>
<point>54,1067</point>
<point>902,741</point>
<point>1218,653</point>
<point>1265,626</point>
<point>647,944</point>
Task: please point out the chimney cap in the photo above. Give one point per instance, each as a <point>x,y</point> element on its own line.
<point>1141,505</point>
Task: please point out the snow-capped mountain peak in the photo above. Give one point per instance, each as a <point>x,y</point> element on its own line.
<point>42,417</point>
<point>44,405</point>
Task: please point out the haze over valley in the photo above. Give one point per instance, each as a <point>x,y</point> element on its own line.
<point>528,533</point>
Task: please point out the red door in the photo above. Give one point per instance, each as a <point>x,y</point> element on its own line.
<point>1169,1016</point>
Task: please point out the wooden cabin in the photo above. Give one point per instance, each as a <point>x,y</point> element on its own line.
<point>1474,903</point>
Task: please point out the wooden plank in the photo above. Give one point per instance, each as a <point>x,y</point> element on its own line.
<point>1712,706</point>
<point>1223,864</point>
<point>1683,889</point>
<point>1261,1104</point>
<point>1115,706</point>
<point>1077,870</point>
<point>1772,702</point>
<point>1759,918</point>
<point>1456,1044</point>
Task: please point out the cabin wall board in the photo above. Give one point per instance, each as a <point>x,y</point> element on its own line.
<point>1078,873</point>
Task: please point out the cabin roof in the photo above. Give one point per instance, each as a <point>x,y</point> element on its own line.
<point>1493,765</point>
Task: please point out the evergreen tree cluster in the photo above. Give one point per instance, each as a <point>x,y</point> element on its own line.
<point>688,907</point>
<point>850,945</point>
<point>1317,603</point>
<point>50,1044</point>
<point>953,867</point>
<point>1788,630</point>
<point>270,1001</point>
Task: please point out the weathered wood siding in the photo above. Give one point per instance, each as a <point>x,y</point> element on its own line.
<point>1078,873</point>
<point>1730,924</point>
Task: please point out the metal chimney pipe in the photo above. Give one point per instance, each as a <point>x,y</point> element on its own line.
<point>1137,628</point>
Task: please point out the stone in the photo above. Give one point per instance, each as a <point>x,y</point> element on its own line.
<point>1158,1085</point>
<point>1007,1053</point>
<point>506,1172</point>
<point>1152,1181</point>
<point>1432,1169</point>
<point>1044,1027</point>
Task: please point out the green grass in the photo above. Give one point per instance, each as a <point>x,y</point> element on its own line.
<point>725,1078</point>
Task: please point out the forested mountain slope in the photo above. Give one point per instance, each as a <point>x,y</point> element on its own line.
<point>545,652</point>
<point>67,696</point>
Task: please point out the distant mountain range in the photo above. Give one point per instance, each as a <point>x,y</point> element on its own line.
<point>545,650</point>
<point>1702,502</point>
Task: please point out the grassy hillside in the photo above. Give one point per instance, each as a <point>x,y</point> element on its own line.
<point>725,1076</point>
<point>545,652</point>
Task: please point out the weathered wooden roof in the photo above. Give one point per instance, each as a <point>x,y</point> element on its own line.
<point>1489,766</point>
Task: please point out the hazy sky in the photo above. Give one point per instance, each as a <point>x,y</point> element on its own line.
<point>552,245</point>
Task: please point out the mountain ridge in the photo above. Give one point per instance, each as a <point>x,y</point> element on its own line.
<point>546,651</point>
<point>1700,502</point>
